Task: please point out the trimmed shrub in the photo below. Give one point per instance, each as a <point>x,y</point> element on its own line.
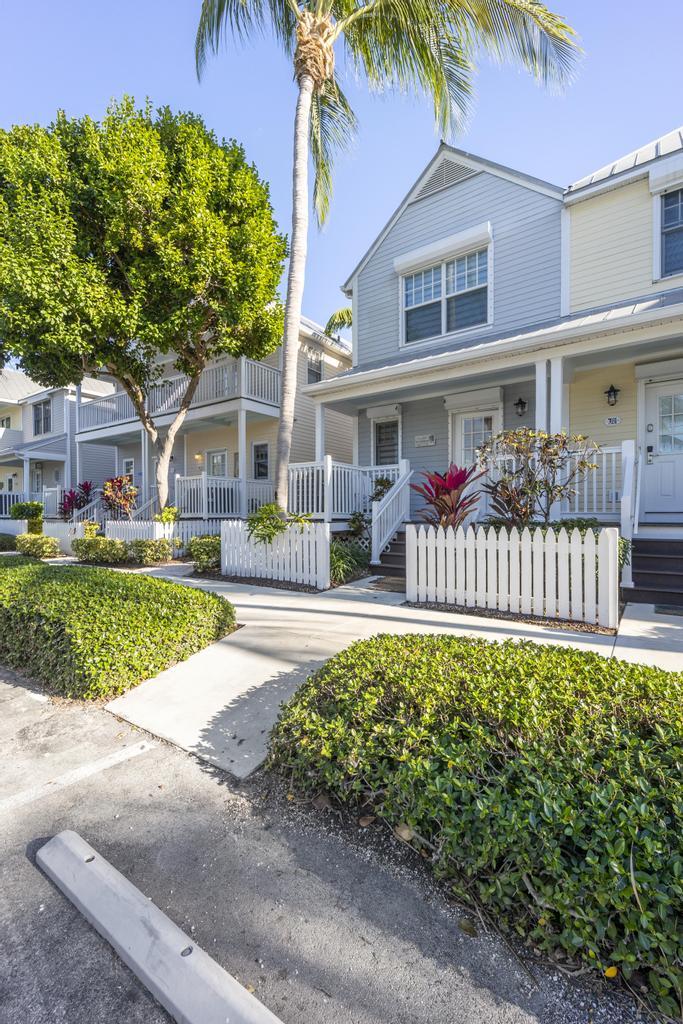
<point>8,542</point>
<point>150,552</point>
<point>543,782</point>
<point>100,549</point>
<point>27,510</point>
<point>36,545</point>
<point>95,633</point>
<point>205,552</point>
<point>348,560</point>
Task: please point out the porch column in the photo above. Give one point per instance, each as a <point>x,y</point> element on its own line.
<point>319,432</point>
<point>27,478</point>
<point>356,443</point>
<point>242,459</point>
<point>542,395</point>
<point>558,412</point>
<point>78,462</point>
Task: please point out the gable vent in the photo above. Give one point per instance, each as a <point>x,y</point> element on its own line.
<point>445,174</point>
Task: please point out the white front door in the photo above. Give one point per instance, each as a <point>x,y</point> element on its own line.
<point>662,473</point>
<point>471,430</point>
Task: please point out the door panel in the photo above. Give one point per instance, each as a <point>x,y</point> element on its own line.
<point>662,477</point>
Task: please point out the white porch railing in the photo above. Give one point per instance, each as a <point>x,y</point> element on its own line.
<point>329,489</point>
<point>9,498</point>
<point>390,513</point>
<point>207,496</point>
<point>230,378</point>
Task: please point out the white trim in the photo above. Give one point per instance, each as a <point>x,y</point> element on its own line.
<point>398,416</point>
<point>386,412</point>
<point>445,248</point>
<point>253,466</point>
<point>663,370</point>
<point>572,196</point>
<point>455,429</point>
<point>565,261</point>
<point>471,401</point>
<point>215,451</point>
<point>667,173</point>
<point>128,458</point>
<point>656,238</point>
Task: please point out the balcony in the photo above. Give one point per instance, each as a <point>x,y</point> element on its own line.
<point>234,378</point>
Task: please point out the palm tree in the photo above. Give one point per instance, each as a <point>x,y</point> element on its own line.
<point>340,319</point>
<point>427,46</point>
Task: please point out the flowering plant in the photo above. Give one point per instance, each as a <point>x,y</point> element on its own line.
<point>448,496</point>
<point>119,496</point>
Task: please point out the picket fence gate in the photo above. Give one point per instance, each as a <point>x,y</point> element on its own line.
<point>547,574</point>
<point>179,533</point>
<point>299,555</point>
<point>65,533</point>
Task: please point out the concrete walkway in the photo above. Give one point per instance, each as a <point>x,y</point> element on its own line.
<point>222,703</point>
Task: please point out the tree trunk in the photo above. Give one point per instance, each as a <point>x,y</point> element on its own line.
<point>295,288</point>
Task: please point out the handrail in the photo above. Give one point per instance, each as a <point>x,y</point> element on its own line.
<point>93,506</point>
<point>639,477</point>
<point>389,513</point>
<point>626,516</point>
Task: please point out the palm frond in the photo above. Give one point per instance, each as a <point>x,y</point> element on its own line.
<point>340,319</point>
<point>243,18</point>
<point>332,129</point>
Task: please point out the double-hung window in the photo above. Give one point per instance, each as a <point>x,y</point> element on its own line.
<point>42,417</point>
<point>448,297</point>
<point>387,434</point>
<point>260,452</point>
<point>314,368</point>
<point>672,233</point>
<point>5,421</point>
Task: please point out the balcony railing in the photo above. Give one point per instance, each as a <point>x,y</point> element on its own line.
<point>231,378</point>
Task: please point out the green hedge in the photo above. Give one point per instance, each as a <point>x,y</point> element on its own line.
<point>150,552</point>
<point>205,552</point>
<point>105,550</point>
<point>26,510</point>
<point>8,542</point>
<point>36,545</point>
<point>95,633</point>
<point>544,782</point>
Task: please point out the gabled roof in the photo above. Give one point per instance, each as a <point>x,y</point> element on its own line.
<point>665,145</point>
<point>15,385</point>
<point>447,167</point>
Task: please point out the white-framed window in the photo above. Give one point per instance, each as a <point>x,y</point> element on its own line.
<point>10,484</point>
<point>386,441</point>
<point>314,372</point>
<point>672,233</point>
<point>128,469</point>
<point>217,462</point>
<point>5,421</point>
<point>260,461</point>
<point>42,417</point>
<point>449,296</point>
<point>236,464</point>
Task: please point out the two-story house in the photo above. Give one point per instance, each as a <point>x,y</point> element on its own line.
<point>494,300</point>
<point>39,458</point>
<point>223,459</point>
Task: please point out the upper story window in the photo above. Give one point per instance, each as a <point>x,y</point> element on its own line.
<point>42,417</point>
<point>672,232</point>
<point>450,296</point>
<point>315,368</point>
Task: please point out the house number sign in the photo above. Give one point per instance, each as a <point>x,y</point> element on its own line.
<point>612,421</point>
<point>424,440</point>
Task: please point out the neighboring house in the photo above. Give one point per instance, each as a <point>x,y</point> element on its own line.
<point>494,300</point>
<point>223,459</point>
<point>38,453</point>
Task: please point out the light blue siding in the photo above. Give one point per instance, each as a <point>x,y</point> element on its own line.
<point>526,262</point>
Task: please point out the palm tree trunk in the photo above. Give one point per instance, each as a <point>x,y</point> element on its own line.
<point>295,288</point>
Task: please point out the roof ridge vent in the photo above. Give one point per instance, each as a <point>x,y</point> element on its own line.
<point>446,173</point>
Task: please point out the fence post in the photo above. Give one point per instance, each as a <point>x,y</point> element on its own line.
<point>322,555</point>
<point>327,488</point>
<point>411,562</point>
<point>205,495</point>
<point>608,578</point>
<point>628,509</point>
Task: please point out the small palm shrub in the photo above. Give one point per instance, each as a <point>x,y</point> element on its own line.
<point>543,783</point>
<point>37,545</point>
<point>205,552</point>
<point>347,561</point>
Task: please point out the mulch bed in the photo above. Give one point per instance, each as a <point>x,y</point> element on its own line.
<point>257,581</point>
<point>530,620</point>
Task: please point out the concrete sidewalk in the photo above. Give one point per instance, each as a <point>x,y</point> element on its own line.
<point>222,703</point>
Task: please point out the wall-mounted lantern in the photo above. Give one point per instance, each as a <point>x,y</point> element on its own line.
<point>612,394</point>
<point>520,406</point>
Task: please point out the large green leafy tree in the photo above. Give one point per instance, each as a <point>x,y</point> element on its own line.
<point>424,46</point>
<point>131,243</point>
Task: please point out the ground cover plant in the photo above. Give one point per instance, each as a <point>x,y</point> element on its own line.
<point>94,633</point>
<point>543,783</point>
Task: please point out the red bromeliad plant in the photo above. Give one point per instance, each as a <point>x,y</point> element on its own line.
<point>448,504</point>
<point>75,499</point>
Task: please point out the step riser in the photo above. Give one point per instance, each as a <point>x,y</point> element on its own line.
<point>638,595</point>
<point>646,546</point>
<point>661,580</point>
<point>657,563</point>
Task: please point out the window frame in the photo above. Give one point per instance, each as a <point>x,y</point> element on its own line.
<point>40,408</point>
<point>5,422</point>
<point>314,359</point>
<point>254,446</point>
<point>443,298</point>
<point>216,451</point>
<point>131,475</point>
<point>664,230</point>
<point>393,418</point>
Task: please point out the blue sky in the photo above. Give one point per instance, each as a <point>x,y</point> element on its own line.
<point>78,54</point>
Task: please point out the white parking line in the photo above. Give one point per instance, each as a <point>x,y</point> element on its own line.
<point>28,796</point>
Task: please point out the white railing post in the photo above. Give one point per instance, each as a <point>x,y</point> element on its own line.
<point>374,538</point>
<point>241,367</point>
<point>205,496</point>
<point>328,497</point>
<point>628,510</point>
<point>411,562</point>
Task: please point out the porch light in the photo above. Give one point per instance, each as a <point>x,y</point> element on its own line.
<point>198,457</point>
<point>612,394</point>
<point>520,406</point>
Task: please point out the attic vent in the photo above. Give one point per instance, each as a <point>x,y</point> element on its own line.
<point>445,174</point>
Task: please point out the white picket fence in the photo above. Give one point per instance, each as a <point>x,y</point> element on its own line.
<point>299,555</point>
<point>65,533</point>
<point>14,526</point>
<point>179,532</point>
<point>556,576</point>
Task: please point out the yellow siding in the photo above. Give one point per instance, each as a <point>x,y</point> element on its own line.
<point>588,406</point>
<point>17,482</point>
<point>14,412</point>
